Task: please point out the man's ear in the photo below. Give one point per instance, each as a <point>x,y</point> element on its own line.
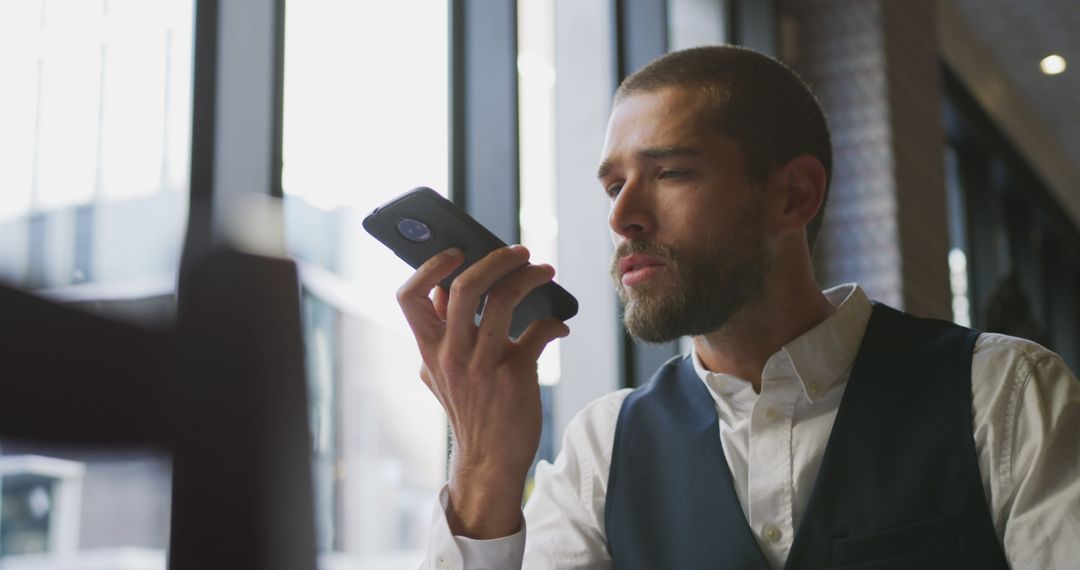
<point>802,181</point>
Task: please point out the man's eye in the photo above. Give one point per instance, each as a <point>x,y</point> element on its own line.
<point>613,190</point>
<point>673,173</point>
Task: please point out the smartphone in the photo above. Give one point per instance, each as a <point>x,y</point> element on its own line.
<point>421,223</point>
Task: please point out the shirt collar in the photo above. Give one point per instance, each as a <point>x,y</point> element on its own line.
<point>819,358</point>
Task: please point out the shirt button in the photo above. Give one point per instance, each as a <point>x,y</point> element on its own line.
<point>772,534</point>
<point>814,389</point>
<point>770,414</point>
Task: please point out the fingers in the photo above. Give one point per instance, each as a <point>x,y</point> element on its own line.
<point>535,338</point>
<point>413,295</point>
<point>440,298</point>
<point>425,377</point>
<point>467,288</point>
<point>504,298</point>
<point>429,380</point>
<point>443,322</point>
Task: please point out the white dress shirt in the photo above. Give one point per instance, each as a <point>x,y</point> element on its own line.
<point>1026,418</point>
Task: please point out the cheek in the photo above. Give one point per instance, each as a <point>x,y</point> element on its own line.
<point>693,218</point>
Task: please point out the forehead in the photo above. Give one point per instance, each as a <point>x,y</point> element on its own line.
<point>664,117</point>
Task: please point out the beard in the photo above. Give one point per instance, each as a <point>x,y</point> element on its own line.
<point>707,285</point>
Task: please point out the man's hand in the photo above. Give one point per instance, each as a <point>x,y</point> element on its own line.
<point>486,382</point>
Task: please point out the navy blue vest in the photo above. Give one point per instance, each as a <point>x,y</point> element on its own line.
<point>898,487</point>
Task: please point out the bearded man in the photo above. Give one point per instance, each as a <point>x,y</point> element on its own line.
<point>806,429</point>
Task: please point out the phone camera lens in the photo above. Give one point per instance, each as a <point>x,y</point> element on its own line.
<point>414,230</point>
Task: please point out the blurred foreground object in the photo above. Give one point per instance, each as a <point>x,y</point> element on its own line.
<point>223,393</point>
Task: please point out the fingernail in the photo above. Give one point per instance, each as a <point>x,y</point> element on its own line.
<point>453,252</point>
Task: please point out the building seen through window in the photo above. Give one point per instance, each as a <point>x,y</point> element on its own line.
<point>365,119</point>
<point>96,113</point>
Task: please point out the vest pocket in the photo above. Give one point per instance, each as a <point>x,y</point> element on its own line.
<point>923,544</point>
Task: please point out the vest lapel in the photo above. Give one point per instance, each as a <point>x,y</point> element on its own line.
<point>725,512</point>
<point>671,500</point>
<point>899,475</point>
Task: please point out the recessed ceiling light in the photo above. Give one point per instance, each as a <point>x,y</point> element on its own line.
<point>1052,64</point>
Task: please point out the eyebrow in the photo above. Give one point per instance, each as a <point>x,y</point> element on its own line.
<point>651,153</point>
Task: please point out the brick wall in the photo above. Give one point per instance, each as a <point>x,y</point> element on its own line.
<point>875,67</point>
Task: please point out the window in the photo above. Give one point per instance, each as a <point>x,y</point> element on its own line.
<point>537,218</point>
<point>1010,273</point>
<point>693,23</point>
<point>94,149</point>
<point>365,119</point>
<point>96,112</point>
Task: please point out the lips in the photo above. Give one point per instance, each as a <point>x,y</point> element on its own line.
<point>634,269</point>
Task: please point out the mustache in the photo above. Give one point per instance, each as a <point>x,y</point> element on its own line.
<point>660,251</point>
<point>650,248</point>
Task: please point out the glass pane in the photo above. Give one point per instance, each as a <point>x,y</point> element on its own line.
<point>536,120</point>
<point>539,224</point>
<point>958,266</point>
<point>693,23</point>
<point>366,118</point>
<point>96,109</point>
<point>75,508</point>
<point>96,112</point>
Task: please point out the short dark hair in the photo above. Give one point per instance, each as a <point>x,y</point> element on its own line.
<point>760,103</point>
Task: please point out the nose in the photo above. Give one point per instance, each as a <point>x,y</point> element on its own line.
<point>632,215</point>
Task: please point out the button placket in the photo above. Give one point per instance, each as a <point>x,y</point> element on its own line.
<point>770,460</point>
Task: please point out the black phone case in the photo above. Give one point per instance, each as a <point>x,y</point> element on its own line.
<point>451,226</point>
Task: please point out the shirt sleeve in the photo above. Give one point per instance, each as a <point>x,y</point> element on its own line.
<point>1035,479</point>
<point>564,513</point>
<point>448,552</point>
<point>566,509</point>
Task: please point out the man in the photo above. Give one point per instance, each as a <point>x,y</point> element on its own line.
<point>806,429</point>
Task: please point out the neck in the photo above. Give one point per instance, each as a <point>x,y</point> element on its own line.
<point>757,331</point>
